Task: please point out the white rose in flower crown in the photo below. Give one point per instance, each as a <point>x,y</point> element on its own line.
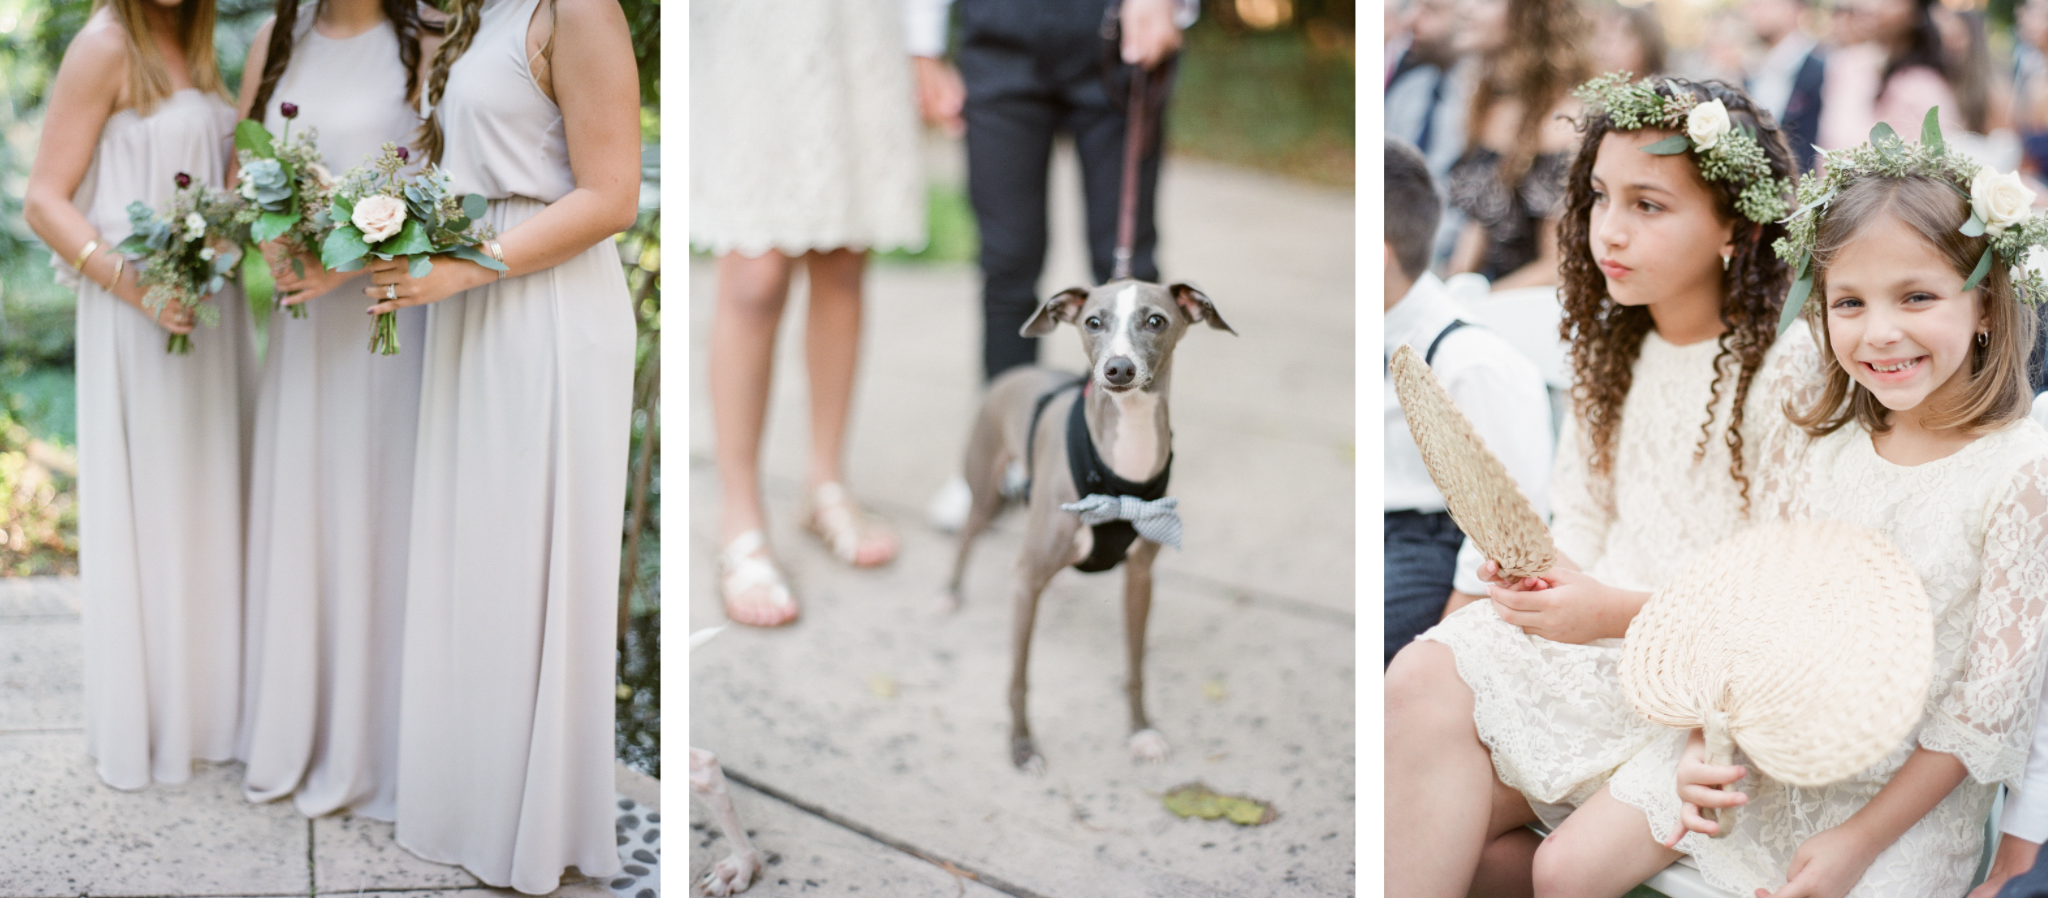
<point>378,217</point>
<point>2000,200</point>
<point>1705,124</point>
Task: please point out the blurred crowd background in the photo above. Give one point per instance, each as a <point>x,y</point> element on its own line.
<point>1478,86</point>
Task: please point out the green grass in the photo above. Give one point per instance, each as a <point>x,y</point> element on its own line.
<point>49,403</point>
<point>1269,100</point>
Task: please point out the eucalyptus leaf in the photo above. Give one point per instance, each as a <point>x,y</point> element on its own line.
<point>259,286</point>
<point>1983,268</point>
<point>1795,300</point>
<point>1669,146</point>
<point>1882,134</point>
<point>410,240</point>
<point>419,266</point>
<point>1974,227</point>
<point>341,209</point>
<point>473,205</point>
<point>355,264</point>
<point>271,225</point>
<point>1930,130</point>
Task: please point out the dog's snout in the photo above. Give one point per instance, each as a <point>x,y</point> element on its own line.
<point>1119,371</point>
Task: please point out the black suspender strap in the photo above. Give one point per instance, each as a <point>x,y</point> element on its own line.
<point>1429,358</point>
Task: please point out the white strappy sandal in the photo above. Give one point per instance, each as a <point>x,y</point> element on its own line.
<point>741,570</point>
<point>843,526</point>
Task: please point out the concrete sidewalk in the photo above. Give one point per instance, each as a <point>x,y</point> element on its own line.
<point>63,833</point>
<point>869,737</point>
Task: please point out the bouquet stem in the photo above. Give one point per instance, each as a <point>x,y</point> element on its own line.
<point>384,334</point>
<point>179,344</point>
<point>296,310</point>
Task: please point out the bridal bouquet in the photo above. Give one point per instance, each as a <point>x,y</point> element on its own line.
<point>378,211</point>
<point>285,193</point>
<point>182,253</point>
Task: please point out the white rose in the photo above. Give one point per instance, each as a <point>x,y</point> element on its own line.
<point>2001,201</point>
<point>245,187</point>
<point>1706,123</point>
<point>378,217</point>
<point>195,226</point>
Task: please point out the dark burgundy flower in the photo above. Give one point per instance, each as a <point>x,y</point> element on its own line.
<point>184,180</point>
<point>404,155</point>
<point>289,110</point>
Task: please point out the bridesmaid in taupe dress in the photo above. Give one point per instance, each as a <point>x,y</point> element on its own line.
<point>505,732</point>
<point>161,438</point>
<point>330,493</point>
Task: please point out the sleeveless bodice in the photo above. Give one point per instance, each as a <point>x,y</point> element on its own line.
<point>139,157</point>
<point>351,89</point>
<point>503,137</point>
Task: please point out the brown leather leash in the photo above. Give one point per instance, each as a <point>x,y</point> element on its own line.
<point>1141,123</point>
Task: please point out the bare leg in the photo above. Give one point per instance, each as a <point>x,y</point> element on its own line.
<point>1504,865</point>
<point>1440,784</point>
<point>737,870</point>
<point>832,354</point>
<point>751,295</point>
<point>1603,849</point>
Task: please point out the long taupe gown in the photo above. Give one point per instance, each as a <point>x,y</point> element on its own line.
<point>331,488</point>
<point>505,740</point>
<point>161,444</point>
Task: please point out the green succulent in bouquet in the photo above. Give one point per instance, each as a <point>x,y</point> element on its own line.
<point>380,211</point>
<point>183,253</point>
<point>285,193</point>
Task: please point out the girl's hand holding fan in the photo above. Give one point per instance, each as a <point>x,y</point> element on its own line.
<point>380,212</point>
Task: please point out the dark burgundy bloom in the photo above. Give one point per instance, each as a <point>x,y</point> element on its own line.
<point>289,110</point>
<point>184,180</point>
<point>404,155</point>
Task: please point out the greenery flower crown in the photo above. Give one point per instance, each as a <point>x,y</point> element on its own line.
<point>1724,152</point>
<point>2000,206</point>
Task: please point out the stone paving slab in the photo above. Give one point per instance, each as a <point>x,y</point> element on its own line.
<point>42,680</point>
<point>353,854</point>
<point>63,833</point>
<point>819,857</point>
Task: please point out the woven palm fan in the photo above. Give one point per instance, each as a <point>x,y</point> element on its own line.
<point>1481,496</point>
<point>1807,645</point>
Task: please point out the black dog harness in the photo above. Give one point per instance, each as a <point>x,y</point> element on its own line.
<point>1091,476</point>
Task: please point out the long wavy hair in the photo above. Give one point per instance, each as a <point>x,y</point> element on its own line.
<point>149,82</point>
<point>1997,392</point>
<point>1545,57</point>
<point>405,20</point>
<point>1606,336</point>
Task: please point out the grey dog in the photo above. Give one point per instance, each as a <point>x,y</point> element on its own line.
<point>1110,430</point>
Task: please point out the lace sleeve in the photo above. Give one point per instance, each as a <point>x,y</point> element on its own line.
<point>1986,717</point>
<point>1581,502</point>
<point>1792,375</point>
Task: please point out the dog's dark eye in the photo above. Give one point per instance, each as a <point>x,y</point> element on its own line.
<point>1156,322</point>
<point>1094,322</point>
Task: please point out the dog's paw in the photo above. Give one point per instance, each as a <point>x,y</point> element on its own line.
<point>1025,755</point>
<point>732,875</point>
<point>1148,746</point>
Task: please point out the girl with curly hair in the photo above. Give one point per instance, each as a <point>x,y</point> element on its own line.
<point>1530,54</point>
<point>1511,711</point>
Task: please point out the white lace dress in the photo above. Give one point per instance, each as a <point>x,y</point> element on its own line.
<point>1974,525</point>
<point>802,130</point>
<point>1553,714</point>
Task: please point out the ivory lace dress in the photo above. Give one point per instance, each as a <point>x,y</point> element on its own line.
<point>519,491</point>
<point>802,132</point>
<point>1553,714</point>
<point>1974,526</point>
<point>161,443</point>
<point>331,487</point>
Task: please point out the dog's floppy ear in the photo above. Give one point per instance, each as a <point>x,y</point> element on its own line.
<point>1197,307</point>
<point>1064,306</point>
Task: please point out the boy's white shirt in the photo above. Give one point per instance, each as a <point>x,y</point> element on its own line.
<point>1499,390</point>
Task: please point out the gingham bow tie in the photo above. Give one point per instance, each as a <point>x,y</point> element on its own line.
<point>1155,520</point>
